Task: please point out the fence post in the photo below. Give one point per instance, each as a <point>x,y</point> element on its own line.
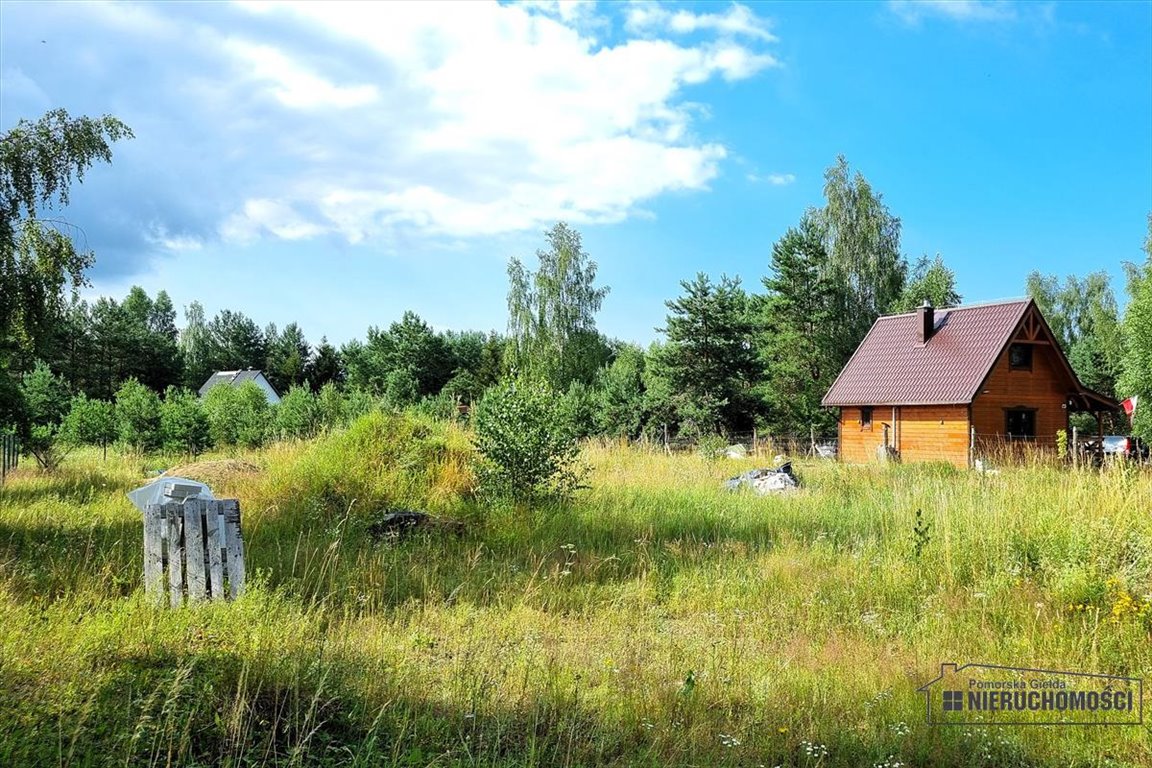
<point>667,450</point>
<point>972,446</point>
<point>9,455</point>
<point>1075,449</point>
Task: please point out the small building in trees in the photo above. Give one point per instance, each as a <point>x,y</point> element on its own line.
<point>951,384</point>
<point>236,378</point>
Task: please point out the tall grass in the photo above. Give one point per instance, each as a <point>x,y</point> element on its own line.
<point>654,620</point>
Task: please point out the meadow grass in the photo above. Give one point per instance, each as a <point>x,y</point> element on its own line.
<point>653,620</point>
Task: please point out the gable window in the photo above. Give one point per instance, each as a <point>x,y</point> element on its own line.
<point>866,417</point>
<point>1020,423</point>
<point>1020,357</point>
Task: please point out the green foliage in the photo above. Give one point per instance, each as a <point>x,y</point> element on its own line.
<point>1136,367</point>
<point>404,363</point>
<point>712,447</point>
<point>325,366</point>
<point>709,361</point>
<point>527,445</point>
<point>799,350</point>
<point>236,342</point>
<point>1083,316</point>
<point>921,535</point>
<point>297,415</point>
<point>331,408</point>
<point>138,416</point>
<point>237,415</point>
<point>289,357</point>
<point>620,395</point>
<point>45,399</point>
<point>862,239</point>
<point>552,313</point>
<point>931,281</point>
<point>479,362</point>
<point>184,426</point>
<point>196,348</point>
<point>45,395</point>
<point>135,338</point>
<point>90,422</point>
<point>577,407</point>
<point>39,161</point>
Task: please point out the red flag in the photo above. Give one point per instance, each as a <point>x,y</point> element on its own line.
<point>1129,405</point>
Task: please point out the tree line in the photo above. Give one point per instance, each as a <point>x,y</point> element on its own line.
<point>730,359</point>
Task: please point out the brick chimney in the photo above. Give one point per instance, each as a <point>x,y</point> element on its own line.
<point>925,322</point>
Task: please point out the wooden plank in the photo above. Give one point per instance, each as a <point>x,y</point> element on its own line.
<point>174,513</point>
<point>234,542</point>
<point>214,525</point>
<point>194,549</point>
<point>154,552</point>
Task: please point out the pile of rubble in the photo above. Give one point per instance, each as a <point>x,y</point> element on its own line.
<point>765,481</point>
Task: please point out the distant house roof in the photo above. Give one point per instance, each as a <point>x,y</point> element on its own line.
<point>235,378</point>
<point>892,367</point>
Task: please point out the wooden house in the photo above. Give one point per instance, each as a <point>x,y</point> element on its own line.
<point>939,385</point>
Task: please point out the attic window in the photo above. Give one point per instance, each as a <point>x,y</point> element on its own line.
<point>866,417</point>
<point>1020,357</point>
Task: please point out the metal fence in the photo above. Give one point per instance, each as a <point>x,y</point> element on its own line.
<point>750,443</point>
<point>9,455</point>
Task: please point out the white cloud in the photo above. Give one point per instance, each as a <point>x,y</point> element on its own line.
<point>913,11</point>
<point>294,86</point>
<point>263,216</point>
<point>775,179</point>
<point>497,118</point>
<point>389,120</point>
<point>738,20</point>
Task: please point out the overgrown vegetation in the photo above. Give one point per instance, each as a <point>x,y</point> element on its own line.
<point>651,620</point>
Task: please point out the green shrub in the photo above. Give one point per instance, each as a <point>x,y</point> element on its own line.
<point>45,399</point>
<point>183,424</point>
<point>527,445</point>
<point>297,415</point>
<point>237,415</point>
<point>712,446</point>
<point>138,415</point>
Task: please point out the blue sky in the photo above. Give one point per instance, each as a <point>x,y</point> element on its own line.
<point>336,164</point>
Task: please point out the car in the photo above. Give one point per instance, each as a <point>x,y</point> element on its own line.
<point>1119,446</point>
<point>1126,446</point>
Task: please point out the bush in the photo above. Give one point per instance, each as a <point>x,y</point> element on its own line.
<point>138,415</point>
<point>89,422</point>
<point>527,445</point>
<point>237,415</point>
<point>183,425</point>
<point>297,414</point>
<point>578,409</point>
<point>45,399</point>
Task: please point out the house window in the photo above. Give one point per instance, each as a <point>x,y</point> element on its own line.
<point>1020,423</point>
<point>866,418</point>
<point>1020,357</point>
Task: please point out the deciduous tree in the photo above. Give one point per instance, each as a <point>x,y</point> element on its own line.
<point>552,313</point>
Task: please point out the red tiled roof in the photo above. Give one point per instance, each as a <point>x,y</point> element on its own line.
<point>891,367</point>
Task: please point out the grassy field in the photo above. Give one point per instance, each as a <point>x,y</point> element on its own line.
<point>653,621</point>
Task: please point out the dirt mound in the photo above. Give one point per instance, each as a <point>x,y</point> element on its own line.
<point>215,472</point>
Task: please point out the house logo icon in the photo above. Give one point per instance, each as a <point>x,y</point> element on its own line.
<point>988,694</point>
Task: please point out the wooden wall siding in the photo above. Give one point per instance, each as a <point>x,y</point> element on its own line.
<point>858,444</point>
<point>1044,388</point>
<point>933,433</point>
